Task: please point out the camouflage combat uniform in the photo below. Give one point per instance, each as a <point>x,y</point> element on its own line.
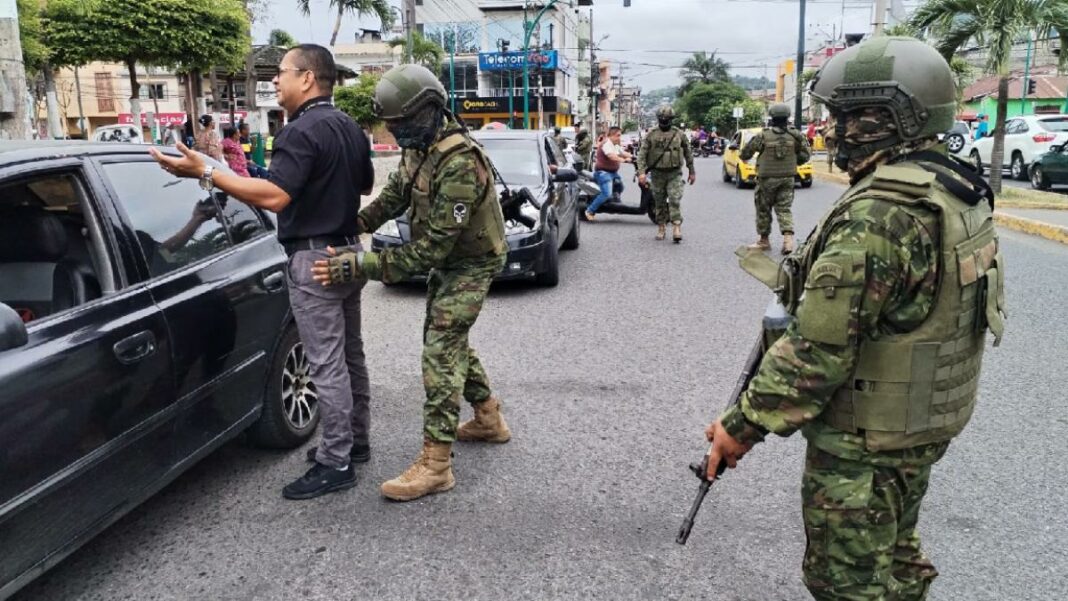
<point>663,153</point>
<point>457,234</point>
<point>584,150</point>
<point>873,270</point>
<point>781,151</point>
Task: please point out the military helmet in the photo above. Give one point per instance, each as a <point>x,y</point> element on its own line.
<point>405,89</point>
<point>779,110</point>
<point>665,112</point>
<point>903,75</point>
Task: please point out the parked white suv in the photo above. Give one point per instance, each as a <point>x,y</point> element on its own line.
<point>1026,139</point>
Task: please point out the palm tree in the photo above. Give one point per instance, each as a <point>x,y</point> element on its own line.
<point>425,51</point>
<point>281,37</point>
<point>994,25</point>
<point>361,8</point>
<point>703,68</point>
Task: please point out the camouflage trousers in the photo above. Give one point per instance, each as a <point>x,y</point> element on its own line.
<point>451,368</point>
<point>774,193</point>
<point>667,187</point>
<point>860,521</point>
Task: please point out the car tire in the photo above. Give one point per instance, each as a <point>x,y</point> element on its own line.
<point>726,176</point>
<point>1018,168</point>
<point>550,274</point>
<point>572,240</point>
<point>954,143</point>
<point>806,183</point>
<point>290,402</point>
<point>1038,178</point>
<point>977,162</point>
<point>738,181</point>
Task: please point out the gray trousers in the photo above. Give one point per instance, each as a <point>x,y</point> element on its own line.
<point>328,319</point>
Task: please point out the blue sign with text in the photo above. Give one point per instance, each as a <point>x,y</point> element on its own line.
<point>504,61</point>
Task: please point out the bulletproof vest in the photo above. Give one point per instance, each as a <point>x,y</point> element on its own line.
<point>779,157</point>
<point>919,387</point>
<point>484,232</point>
<point>665,150</point>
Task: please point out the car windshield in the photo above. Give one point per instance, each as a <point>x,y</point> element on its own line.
<point>518,160</point>
<point>1054,124</point>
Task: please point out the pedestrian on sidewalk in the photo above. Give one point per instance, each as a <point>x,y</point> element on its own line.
<point>896,292</point>
<point>782,148</point>
<point>321,166</point>
<point>445,181</point>
<point>207,141</point>
<point>610,155</point>
<point>254,169</point>
<point>663,153</point>
<point>235,157</point>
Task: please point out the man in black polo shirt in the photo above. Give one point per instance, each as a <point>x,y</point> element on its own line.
<point>320,166</point>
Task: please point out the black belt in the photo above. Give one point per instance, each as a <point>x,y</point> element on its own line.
<point>318,242</point>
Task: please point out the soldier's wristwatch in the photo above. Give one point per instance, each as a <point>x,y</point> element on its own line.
<point>205,179</point>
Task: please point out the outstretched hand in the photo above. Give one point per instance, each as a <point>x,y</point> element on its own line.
<point>190,164</point>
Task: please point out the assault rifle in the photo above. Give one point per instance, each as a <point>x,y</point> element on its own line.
<point>776,319</point>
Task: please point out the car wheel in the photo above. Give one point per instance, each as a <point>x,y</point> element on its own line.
<point>726,176</point>
<point>1038,178</point>
<point>954,143</point>
<point>550,274</point>
<point>977,162</point>
<point>1017,168</point>
<point>738,181</point>
<point>806,183</point>
<point>572,240</point>
<point>290,402</point>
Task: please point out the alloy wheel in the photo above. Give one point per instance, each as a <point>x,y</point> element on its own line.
<point>300,400</point>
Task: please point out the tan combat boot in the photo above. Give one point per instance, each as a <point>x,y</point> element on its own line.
<point>488,425</point>
<point>661,231</point>
<point>762,244</point>
<point>676,231</point>
<point>787,244</point>
<point>431,473</point>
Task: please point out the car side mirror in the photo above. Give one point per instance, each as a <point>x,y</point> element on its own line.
<point>12,329</point>
<point>733,147</point>
<point>565,175</point>
<point>1056,148</point>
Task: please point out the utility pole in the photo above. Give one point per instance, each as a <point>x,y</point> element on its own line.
<point>81,112</point>
<point>1027,77</point>
<point>452,71</point>
<point>619,98</point>
<point>14,118</point>
<point>409,24</point>
<point>880,17</point>
<point>800,66</point>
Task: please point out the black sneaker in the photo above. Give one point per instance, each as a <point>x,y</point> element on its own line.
<point>356,454</point>
<point>319,480</point>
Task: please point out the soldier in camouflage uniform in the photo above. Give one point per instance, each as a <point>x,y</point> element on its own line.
<point>559,138</point>
<point>902,279</point>
<point>662,153</point>
<point>782,148</point>
<point>445,183</point>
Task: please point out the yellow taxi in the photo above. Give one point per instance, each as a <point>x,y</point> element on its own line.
<point>744,173</point>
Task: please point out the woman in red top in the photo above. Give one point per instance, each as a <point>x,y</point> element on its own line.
<point>234,153</point>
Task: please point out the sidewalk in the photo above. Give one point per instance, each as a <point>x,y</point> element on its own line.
<point>1051,224</point>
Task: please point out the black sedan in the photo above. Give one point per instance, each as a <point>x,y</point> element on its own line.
<point>525,159</point>
<point>143,323</point>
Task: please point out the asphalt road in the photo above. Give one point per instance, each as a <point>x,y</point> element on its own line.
<point>608,381</point>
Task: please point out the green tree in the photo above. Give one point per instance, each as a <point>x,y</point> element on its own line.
<point>721,116</point>
<point>357,100</point>
<point>281,37</point>
<point>425,52</point>
<point>701,97</point>
<point>963,75</point>
<point>994,25</point>
<point>360,8</point>
<point>703,68</point>
<point>200,34</point>
<point>35,51</point>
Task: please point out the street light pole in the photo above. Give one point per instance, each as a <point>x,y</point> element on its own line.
<point>528,30</point>
<point>799,68</point>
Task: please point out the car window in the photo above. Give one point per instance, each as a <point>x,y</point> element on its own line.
<point>175,220</point>
<point>518,160</point>
<point>1010,126</point>
<point>1021,127</point>
<point>556,157</point>
<point>1054,124</point>
<point>243,222</point>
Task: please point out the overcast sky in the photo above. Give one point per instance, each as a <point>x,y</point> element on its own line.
<point>653,36</point>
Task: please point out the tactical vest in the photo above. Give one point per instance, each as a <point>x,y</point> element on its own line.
<point>920,387</point>
<point>779,157</point>
<point>484,233</point>
<point>665,150</point>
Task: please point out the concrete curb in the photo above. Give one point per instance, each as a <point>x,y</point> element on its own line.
<point>1049,231</point>
<point>1033,227</point>
<point>1012,204</point>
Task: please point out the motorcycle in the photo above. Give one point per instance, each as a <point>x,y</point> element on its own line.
<point>588,190</point>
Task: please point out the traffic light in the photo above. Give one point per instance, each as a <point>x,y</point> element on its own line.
<point>1030,87</point>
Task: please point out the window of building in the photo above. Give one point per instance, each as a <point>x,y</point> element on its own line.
<point>153,91</point>
<point>105,92</point>
<point>176,222</point>
<point>466,73</point>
